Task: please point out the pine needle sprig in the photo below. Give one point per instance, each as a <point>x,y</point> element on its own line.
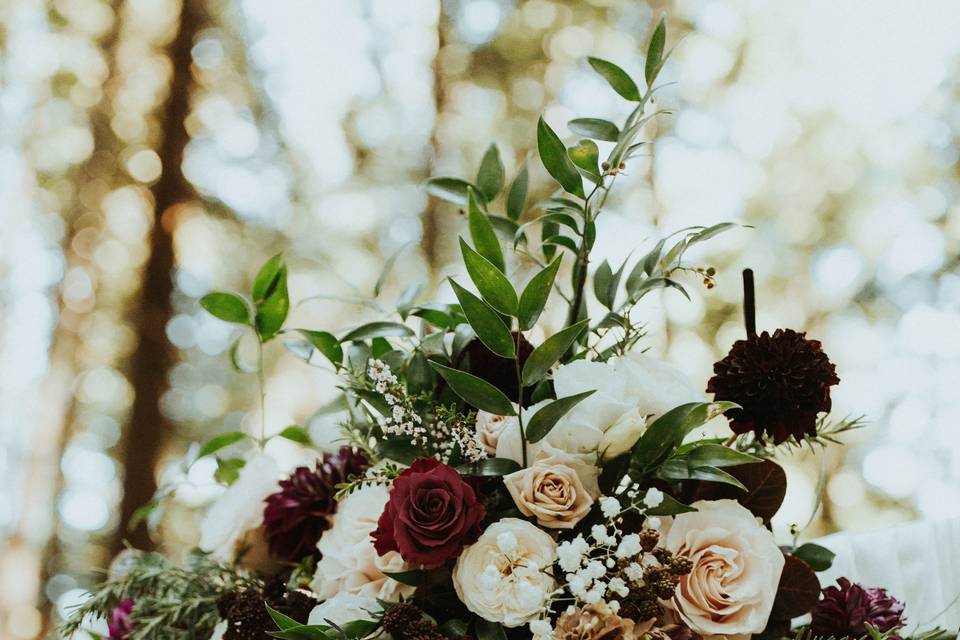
<point>170,602</point>
<point>828,433</point>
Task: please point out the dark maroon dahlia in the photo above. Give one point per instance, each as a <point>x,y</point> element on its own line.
<point>296,515</point>
<point>845,610</point>
<point>501,372</point>
<point>781,381</point>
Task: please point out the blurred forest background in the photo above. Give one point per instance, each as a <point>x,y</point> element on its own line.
<point>152,151</point>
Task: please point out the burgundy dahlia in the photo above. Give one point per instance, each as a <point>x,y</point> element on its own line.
<point>844,611</point>
<point>501,372</point>
<point>120,624</point>
<point>296,515</point>
<point>781,381</point>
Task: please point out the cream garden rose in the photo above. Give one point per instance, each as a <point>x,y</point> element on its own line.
<point>550,491</point>
<point>500,577</point>
<point>349,563</point>
<point>736,569</point>
<point>489,428</point>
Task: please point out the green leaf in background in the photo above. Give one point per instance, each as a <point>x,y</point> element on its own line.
<point>486,322</point>
<point>270,297</point>
<point>479,393</point>
<point>602,278</point>
<point>358,354</point>
<point>412,578</point>
<point>655,52</point>
<point>228,470</point>
<point>420,376</point>
<point>282,621</point>
<point>399,450</point>
<point>487,630</point>
<point>450,189</point>
<point>517,196</point>
<point>296,434</point>
<point>267,279</point>
<point>490,467</point>
<point>454,628</point>
<point>491,176</point>
<point>535,295</point>
<point>561,241</point>
<point>387,268</point>
<point>647,264</point>
<point>586,156</point>
<point>669,507</point>
<point>639,288</point>
<point>326,343</point>
<point>617,78</point>
<point>380,329</point>
<point>544,420</point>
<point>710,232</point>
<point>226,306</point>
<point>553,154</point>
<point>407,298</point>
<point>717,455</point>
<point>549,351</point>
<point>220,441</point>
<point>490,281</point>
<point>595,128</point>
<point>819,558</point>
<point>481,232</point>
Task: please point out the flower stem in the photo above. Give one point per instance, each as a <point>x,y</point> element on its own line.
<point>749,303</point>
<point>523,434</point>
<point>263,393</point>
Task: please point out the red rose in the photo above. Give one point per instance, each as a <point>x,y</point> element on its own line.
<point>432,514</point>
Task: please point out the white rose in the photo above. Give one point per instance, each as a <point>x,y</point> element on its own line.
<point>510,588</point>
<point>736,569</point>
<point>349,563</point>
<point>489,428</point>
<point>239,509</point>
<point>343,608</point>
<point>627,391</point>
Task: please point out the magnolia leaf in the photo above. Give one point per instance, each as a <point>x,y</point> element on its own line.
<point>549,352</point>
<point>535,295</point>
<point>798,591</point>
<point>479,393</point>
<point>228,307</point>
<point>486,322</point>
<point>490,177</point>
<point>411,578</point>
<point>490,281</point>
<point>819,558</point>
<point>517,196</point>
<point>553,154</point>
<point>595,128</point>
<point>766,487</point>
<point>717,455</point>
<point>544,420</point>
<point>481,232</point>
<point>617,78</point>
<point>669,507</point>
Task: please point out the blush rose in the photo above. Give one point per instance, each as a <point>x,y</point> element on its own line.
<point>431,515</point>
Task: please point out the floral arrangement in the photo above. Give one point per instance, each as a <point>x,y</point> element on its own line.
<point>483,486</point>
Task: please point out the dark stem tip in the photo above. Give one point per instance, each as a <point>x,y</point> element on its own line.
<point>749,303</point>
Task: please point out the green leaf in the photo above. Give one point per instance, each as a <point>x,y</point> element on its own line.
<point>648,263</point>
<point>669,507</point>
<point>326,343</point>
<point>228,470</point>
<point>481,232</point>
<point>553,154</point>
<point>490,177</point>
<point>407,297</point>
<point>267,279</point>
<point>490,281</point>
<point>544,420</point>
<point>655,52</point>
<point>489,467</point>
<point>454,628</point>
<point>479,393</point>
<point>562,241</point>
<point>713,474</point>
<point>595,128</point>
<point>295,434</point>
<point>535,295</point>
<point>487,630</point>
<point>399,450</point>
<point>617,78</point>
<point>270,297</point>
<point>220,441</point>
<point>545,355</point>
<point>586,156</point>
<point>639,288</point>
<point>819,558</point>
<point>486,322</point>
<point>387,268</point>
<point>517,196</point>
<point>450,189</point>
<point>602,279</point>
<point>710,232</point>
<point>226,306</point>
<point>282,621</point>
<point>379,329</point>
<point>420,377</point>
<point>717,455</point>
<point>552,216</point>
<point>411,578</point>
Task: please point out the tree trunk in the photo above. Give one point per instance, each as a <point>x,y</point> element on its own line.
<point>148,427</point>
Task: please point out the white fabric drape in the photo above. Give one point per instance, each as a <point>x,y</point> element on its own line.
<point>918,563</point>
